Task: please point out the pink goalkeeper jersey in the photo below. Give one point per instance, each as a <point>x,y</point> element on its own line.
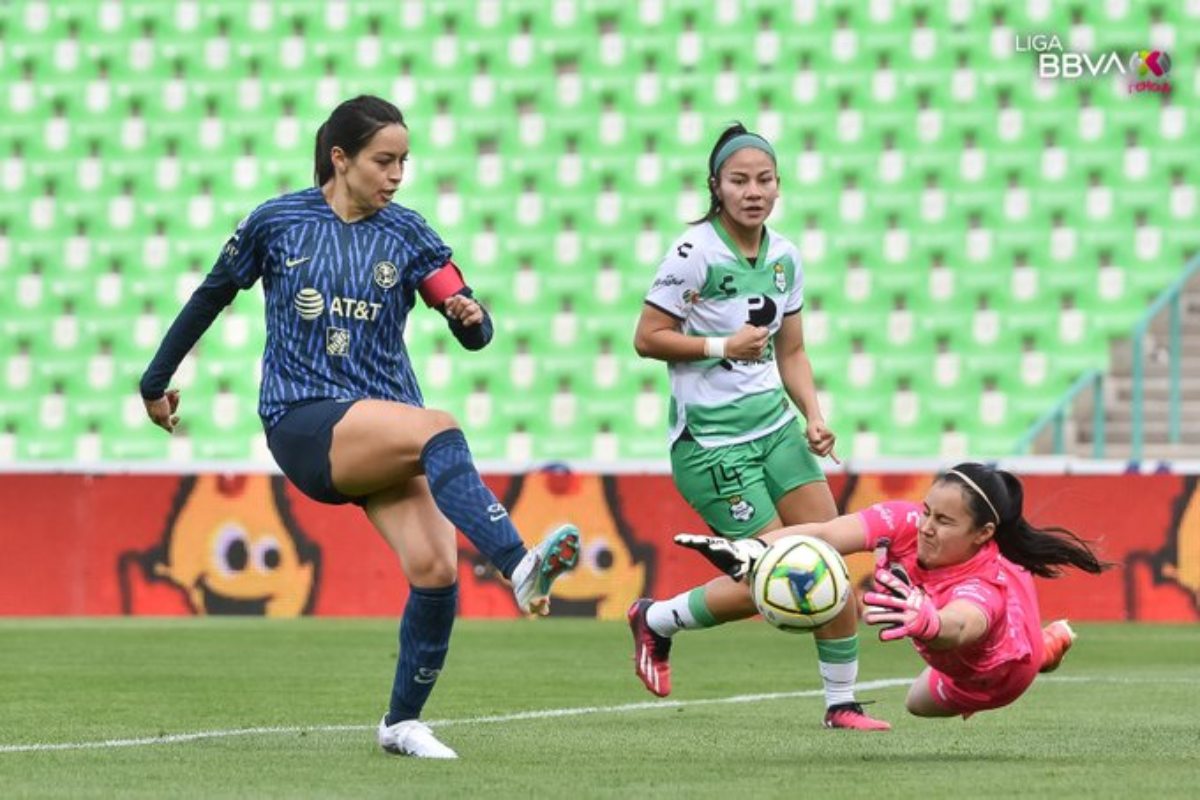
<point>998,587</point>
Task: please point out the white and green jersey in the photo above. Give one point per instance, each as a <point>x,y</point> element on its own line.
<point>713,290</point>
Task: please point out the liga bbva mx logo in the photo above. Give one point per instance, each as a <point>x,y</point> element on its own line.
<point>1145,63</point>
<point>1146,69</point>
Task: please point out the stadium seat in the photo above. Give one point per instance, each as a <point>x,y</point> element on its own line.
<point>953,214</point>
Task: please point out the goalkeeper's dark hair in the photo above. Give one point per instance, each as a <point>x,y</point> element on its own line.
<point>350,127</point>
<point>714,202</point>
<point>998,497</point>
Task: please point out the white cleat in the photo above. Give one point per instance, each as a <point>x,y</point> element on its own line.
<point>558,553</point>
<point>411,737</point>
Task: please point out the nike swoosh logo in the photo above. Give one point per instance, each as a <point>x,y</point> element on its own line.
<point>295,262</point>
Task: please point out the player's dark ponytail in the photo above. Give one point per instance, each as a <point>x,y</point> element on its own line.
<point>998,497</point>
<point>350,127</point>
<point>714,202</point>
<point>322,161</point>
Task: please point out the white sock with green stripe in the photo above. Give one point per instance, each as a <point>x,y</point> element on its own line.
<point>686,611</point>
<point>838,659</point>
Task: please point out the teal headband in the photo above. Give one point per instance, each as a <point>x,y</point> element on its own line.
<point>739,142</point>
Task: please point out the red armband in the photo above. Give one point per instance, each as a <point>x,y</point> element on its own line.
<point>442,283</point>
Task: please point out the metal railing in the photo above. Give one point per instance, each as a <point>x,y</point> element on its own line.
<point>1057,417</point>
<point>1172,296</point>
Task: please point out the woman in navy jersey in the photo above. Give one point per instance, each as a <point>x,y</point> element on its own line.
<point>341,267</point>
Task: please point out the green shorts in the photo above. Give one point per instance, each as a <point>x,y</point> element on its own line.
<point>735,487</point>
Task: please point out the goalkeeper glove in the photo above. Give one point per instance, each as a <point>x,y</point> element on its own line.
<point>735,558</point>
<point>907,610</point>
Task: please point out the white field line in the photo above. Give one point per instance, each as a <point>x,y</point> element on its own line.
<point>548,713</point>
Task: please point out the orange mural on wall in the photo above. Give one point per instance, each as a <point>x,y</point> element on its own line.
<point>1164,584</point>
<point>230,546</point>
<point>252,544</point>
<point>613,566</point>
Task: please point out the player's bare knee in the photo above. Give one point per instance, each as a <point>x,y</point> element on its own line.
<point>401,445</point>
<point>914,702</point>
<point>437,421</point>
<point>435,572</point>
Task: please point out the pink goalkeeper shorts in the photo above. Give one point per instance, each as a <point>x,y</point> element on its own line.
<point>998,688</point>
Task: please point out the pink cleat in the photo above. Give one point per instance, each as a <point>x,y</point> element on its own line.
<point>850,716</point>
<point>1058,638</point>
<point>650,651</point>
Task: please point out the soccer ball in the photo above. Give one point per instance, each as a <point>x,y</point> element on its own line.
<point>800,583</point>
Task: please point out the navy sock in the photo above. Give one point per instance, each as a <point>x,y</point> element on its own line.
<point>461,495</point>
<point>424,640</point>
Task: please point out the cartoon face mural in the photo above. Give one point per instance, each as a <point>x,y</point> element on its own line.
<point>613,568</point>
<point>232,547</point>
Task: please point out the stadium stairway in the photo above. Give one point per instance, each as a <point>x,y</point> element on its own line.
<point>1118,417</point>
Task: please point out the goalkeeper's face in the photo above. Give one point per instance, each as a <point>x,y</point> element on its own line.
<point>946,534</point>
<point>748,187</point>
<point>374,173</point>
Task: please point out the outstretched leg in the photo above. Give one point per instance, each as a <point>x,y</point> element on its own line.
<point>837,642</point>
<point>654,622</point>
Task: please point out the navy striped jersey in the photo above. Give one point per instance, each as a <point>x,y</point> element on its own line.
<point>337,298</point>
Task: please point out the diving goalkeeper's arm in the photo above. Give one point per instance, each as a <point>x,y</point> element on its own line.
<point>736,557</point>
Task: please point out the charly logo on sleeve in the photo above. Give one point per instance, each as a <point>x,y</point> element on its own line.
<point>664,281</point>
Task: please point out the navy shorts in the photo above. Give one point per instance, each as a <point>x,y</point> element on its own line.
<point>300,442</point>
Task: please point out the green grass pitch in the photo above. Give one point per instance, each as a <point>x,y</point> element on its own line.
<point>291,708</point>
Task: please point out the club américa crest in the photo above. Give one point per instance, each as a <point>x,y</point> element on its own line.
<point>386,274</point>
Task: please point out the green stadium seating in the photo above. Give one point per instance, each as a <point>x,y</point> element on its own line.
<point>558,147</point>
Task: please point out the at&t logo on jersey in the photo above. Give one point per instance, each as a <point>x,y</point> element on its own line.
<point>353,308</point>
<point>309,303</point>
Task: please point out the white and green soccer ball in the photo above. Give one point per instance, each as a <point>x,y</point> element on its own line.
<point>800,583</point>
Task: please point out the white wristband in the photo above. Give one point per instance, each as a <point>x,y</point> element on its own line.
<point>714,346</point>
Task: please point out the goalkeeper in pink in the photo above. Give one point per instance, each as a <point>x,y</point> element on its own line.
<point>955,575</point>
